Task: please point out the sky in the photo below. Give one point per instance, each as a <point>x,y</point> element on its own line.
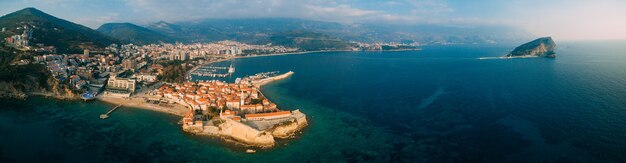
<point>561,19</point>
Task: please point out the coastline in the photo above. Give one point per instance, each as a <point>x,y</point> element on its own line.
<point>325,51</point>
<point>178,109</point>
<point>174,109</point>
<point>292,53</point>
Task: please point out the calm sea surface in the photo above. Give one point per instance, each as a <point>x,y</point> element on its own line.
<point>440,104</point>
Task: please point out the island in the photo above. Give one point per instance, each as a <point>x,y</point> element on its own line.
<point>541,47</point>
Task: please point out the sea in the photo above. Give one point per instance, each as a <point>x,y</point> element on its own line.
<point>438,104</point>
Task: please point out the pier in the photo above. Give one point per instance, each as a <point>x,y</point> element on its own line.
<point>261,79</point>
<point>106,115</point>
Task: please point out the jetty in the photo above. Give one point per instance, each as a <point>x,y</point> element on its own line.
<point>263,78</point>
<point>106,115</point>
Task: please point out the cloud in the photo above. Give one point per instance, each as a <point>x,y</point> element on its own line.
<point>560,18</point>
<point>327,10</point>
<point>99,20</point>
<point>429,7</point>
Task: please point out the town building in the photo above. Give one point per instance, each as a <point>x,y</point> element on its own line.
<point>129,64</point>
<point>268,116</point>
<point>120,87</point>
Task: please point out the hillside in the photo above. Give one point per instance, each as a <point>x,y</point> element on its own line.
<point>50,30</point>
<point>541,47</point>
<point>17,81</point>
<point>131,33</point>
<point>297,33</point>
<point>260,30</point>
<point>308,41</point>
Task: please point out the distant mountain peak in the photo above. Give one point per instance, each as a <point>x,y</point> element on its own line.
<point>31,11</point>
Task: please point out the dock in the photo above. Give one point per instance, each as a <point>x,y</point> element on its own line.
<point>212,71</point>
<point>106,115</point>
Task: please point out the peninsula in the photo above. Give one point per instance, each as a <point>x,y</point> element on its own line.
<point>233,111</point>
<point>236,111</point>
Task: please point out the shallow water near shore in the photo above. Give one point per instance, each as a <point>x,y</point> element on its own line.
<point>440,104</point>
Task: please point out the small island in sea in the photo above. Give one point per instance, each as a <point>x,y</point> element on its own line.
<point>541,47</point>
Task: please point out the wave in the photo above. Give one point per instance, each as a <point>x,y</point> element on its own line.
<point>505,57</point>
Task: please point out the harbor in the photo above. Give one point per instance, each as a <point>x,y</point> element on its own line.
<point>214,71</point>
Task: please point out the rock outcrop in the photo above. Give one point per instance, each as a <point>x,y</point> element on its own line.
<point>233,130</point>
<point>248,135</point>
<point>289,128</point>
<point>22,89</point>
<point>541,47</point>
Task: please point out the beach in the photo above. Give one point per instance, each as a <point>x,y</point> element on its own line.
<point>137,102</point>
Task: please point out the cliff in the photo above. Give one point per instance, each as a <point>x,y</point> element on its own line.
<point>231,129</point>
<point>289,128</point>
<point>22,89</point>
<point>541,47</point>
<point>248,135</point>
<point>19,81</point>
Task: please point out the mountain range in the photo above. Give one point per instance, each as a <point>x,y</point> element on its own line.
<point>259,30</point>
<point>291,32</point>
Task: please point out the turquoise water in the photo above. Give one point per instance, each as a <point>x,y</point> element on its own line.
<point>441,104</point>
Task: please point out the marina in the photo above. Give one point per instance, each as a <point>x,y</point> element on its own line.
<point>214,71</point>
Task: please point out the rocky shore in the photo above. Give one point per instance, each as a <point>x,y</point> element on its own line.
<point>252,132</point>
<point>22,90</point>
<point>245,134</point>
<point>541,47</point>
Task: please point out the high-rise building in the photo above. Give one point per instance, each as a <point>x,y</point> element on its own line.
<point>179,55</point>
<point>234,50</point>
<point>129,64</point>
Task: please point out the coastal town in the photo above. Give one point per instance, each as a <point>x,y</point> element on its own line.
<point>159,77</point>
<point>139,76</point>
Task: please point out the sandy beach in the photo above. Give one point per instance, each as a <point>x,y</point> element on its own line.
<point>175,109</point>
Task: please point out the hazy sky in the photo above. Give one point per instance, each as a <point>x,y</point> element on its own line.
<point>562,19</point>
